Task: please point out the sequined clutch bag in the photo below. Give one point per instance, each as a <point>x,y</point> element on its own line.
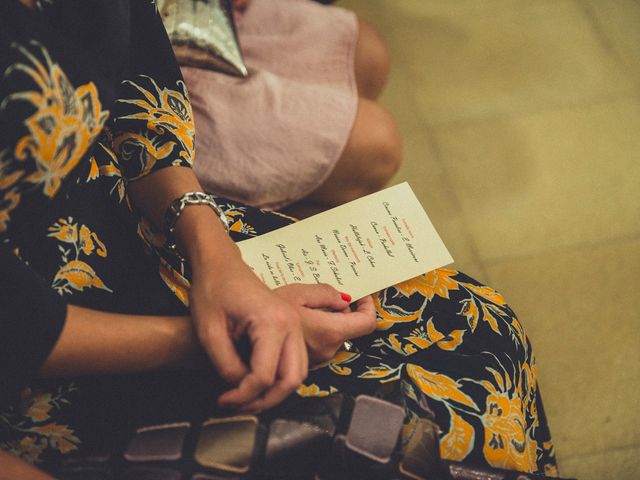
<point>203,34</point>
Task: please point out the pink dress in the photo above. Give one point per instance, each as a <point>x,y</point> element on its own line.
<point>272,138</point>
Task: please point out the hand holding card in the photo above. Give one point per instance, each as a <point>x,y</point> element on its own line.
<point>361,247</point>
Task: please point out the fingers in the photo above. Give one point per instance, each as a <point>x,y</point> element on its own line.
<point>367,304</point>
<point>265,357</point>
<point>217,342</point>
<point>360,322</point>
<point>325,332</point>
<point>292,371</point>
<point>279,360</point>
<point>317,296</point>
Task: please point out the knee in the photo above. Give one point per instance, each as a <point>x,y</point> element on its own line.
<point>376,146</point>
<point>370,159</point>
<point>372,61</point>
<point>385,149</point>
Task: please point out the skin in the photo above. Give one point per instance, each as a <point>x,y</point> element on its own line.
<point>373,152</point>
<point>15,469</point>
<point>372,61</point>
<point>370,158</point>
<point>288,328</point>
<point>228,300</point>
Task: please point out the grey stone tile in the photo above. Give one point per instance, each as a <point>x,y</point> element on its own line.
<point>619,23</point>
<point>547,180</point>
<point>422,170</point>
<point>580,309</point>
<point>470,63</point>
<point>622,464</point>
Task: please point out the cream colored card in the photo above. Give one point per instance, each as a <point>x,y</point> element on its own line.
<point>359,248</point>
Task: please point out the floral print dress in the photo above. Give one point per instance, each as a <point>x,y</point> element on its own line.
<point>90,100</point>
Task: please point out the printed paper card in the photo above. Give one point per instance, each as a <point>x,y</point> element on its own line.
<point>359,248</point>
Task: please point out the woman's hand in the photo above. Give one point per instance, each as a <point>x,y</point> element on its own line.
<point>327,320</point>
<point>229,301</point>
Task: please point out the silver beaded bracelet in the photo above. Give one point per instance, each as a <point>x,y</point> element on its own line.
<point>176,208</point>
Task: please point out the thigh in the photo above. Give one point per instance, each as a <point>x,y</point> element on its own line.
<point>372,61</point>
<point>371,156</point>
<point>450,349</point>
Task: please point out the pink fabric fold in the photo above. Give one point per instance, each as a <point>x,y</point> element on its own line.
<point>272,138</point>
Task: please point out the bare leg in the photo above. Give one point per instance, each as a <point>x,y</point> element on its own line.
<point>372,61</point>
<point>374,150</point>
<point>371,157</point>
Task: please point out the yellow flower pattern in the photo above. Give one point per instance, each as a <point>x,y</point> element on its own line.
<point>237,222</point>
<point>161,110</point>
<point>388,317</point>
<point>506,444</point>
<point>427,343</point>
<point>459,440</point>
<point>65,122</point>
<point>9,182</point>
<point>54,170</point>
<point>8,203</point>
<point>425,316</point>
<point>445,347</point>
<point>177,283</point>
<point>40,431</point>
<point>340,361</point>
<point>439,386</point>
<point>437,282</point>
<point>314,390</point>
<point>76,274</point>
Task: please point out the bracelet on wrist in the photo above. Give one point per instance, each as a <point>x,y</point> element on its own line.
<point>175,209</point>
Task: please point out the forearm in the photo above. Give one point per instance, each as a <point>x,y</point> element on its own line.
<point>12,468</point>
<point>199,233</point>
<point>94,342</point>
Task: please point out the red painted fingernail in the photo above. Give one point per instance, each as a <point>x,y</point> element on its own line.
<point>345,297</point>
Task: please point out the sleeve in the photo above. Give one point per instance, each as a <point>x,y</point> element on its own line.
<point>32,316</point>
<point>153,116</point>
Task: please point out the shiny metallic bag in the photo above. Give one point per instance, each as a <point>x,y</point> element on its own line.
<point>203,34</point>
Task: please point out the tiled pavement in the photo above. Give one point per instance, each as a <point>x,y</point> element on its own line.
<point>521,121</point>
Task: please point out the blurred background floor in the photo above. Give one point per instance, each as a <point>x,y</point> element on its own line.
<point>521,122</point>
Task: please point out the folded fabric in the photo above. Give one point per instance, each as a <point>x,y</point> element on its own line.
<point>272,138</point>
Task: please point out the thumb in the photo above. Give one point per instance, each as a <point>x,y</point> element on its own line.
<point>321,296</point>
<point>360,322</point>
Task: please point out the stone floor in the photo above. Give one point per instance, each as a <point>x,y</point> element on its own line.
<point>521,122</point>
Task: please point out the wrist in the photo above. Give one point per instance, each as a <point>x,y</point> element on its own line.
<point>182,345</point>
<point>201,237</point>
<point>186,223</point>
<point>94,342</point>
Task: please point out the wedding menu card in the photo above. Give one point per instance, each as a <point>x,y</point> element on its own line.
<point>359,247</point>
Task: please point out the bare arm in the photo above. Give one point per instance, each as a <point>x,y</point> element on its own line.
<point>12,468</point>
<point>94,342</point>
<point>227,299</point>
<point>29,3</point>
<point>199,233</point>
